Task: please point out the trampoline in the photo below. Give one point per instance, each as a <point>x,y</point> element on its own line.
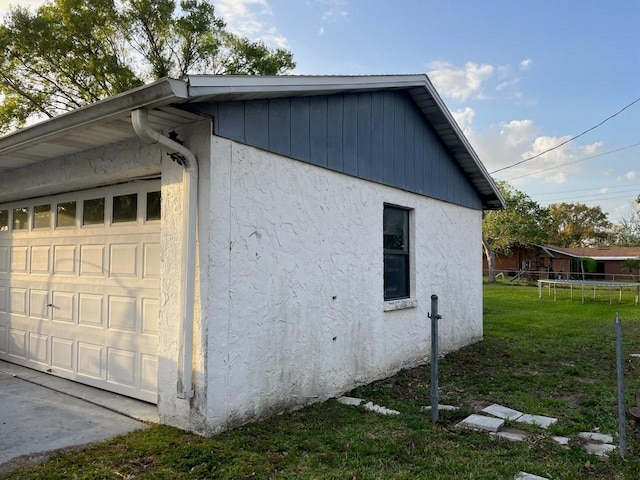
<point>589,283</point>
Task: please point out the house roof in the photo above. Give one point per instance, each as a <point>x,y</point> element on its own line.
<point>109,121</point>
<point>597,253</point>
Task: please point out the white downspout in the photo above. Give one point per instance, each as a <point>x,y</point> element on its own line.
<point>139,119</point>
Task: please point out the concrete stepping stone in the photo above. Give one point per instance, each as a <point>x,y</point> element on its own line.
<point>528,476</point>
<point>441,408</point>
<point>599,449</point>
<point>502,412</point>
<point>372,407</point>
<point>539,420</point>
<point>482,422</point>
<point>350,401</point>
<point>596,437</point>
<point>512,435</point>
<point>562,440</point>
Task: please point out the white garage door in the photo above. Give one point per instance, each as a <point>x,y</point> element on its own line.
<point>79,283</point>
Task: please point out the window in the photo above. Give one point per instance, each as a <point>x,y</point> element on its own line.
<point>153,206</point>
<point>66,214</point>
<point>20,218</point>
<point>42,216</point>
<point>93,211</point>
<point>396,253</point>
<point>4,220</point>
<point>125,208</point>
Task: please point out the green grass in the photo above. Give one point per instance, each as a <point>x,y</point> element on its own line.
<point>547,357</point>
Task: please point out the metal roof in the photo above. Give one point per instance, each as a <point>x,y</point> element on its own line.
<point>109,120</point>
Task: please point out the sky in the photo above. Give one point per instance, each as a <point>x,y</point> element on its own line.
<point>519,77</point>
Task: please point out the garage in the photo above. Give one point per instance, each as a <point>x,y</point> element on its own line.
<point>79,286</point>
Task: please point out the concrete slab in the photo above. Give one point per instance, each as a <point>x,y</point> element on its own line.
<point>599,449</point>
<point>539,420</point>
<point>372,407</point>
<point>528,476</point>
<point>562,440</point>
<point>441,408</point>
<point>482,422</point>
<point>355,402</point>
<point>596,437</point>
<point>501,411</point>
<point>512,435</point>
<point>36,420</point>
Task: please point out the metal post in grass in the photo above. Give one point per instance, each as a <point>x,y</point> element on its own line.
<point>434,357</point>
<point>622,420</point>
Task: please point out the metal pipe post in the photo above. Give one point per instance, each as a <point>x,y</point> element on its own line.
<point>434,357</point>
<point>622,419</point>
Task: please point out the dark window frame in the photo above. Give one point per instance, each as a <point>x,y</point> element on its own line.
<point>397,253</point>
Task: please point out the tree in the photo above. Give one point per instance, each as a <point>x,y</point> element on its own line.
<point>522,223</point>
<point>627,231</point>
<point>577,225</point>
<point>631,265</point>
<point>73,52</point>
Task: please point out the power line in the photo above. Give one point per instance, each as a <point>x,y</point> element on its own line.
<point>631,185</point>
<point>569,140</point>
<point>570,163</point>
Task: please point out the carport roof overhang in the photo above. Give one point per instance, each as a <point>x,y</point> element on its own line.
<point>109,121</point>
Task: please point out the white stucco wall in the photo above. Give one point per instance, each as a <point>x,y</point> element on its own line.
<point>295,311</point>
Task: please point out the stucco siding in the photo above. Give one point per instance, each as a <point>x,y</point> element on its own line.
<point>296,312</point>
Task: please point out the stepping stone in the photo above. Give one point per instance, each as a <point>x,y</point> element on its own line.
<point>596,437</point>
<point>528,476</point>
<point>512,435</point>
<point>372,407</point>
<point>562,440</point>
<point>350,401</point>
<point>441,407</point>
<point>539,420</point>
<point>482,422</point>
<point>599,449</point>
<point>502,412</point>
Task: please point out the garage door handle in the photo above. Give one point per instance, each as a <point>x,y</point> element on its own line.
<point>49,305</point>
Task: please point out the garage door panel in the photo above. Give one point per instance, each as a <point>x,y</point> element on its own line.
<point>92,260</point>
<point>18,257</point>
<point>4,259</point>
<point>62,353</point>
<point>123,260</point>
<point>39,348</point>
<point>64,260</point>
<point>82,301</point>
<point>40,259</point>
<point>63,309</point>
<point>18,342</point>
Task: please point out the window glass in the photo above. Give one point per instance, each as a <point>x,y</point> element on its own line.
<point>20,218</point>
<point>125,208</point>
<point>42,216</point>
<point>153,206</point>
<point>93,211</point>
<point>4,220</point>
<point>396,253</point>
<point>66,214</point>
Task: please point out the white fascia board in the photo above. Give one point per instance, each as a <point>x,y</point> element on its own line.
<point>159,93</point>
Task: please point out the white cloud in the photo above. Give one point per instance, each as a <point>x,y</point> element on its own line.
<point>250,18</point>
<point>321,31</point>
<point>605,190</point>
<point>464,118</point>
<point>30,4</point>
<point>526,64</point>
<point>460,83</point>
<point>630,175</point>
<point>334,10</point>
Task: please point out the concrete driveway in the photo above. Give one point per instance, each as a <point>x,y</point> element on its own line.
<point>40,414</point>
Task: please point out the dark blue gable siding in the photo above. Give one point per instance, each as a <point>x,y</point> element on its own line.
<point>378,136</point>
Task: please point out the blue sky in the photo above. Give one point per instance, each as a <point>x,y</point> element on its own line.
<point>520,77</point>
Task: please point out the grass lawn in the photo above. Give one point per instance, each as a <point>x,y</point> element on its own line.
<point>554,358</point>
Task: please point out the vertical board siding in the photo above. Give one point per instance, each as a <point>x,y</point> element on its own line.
<point>379,136</point>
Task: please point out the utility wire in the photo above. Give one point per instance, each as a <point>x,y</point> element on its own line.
<point>569,140</point>
<point>570,163</point>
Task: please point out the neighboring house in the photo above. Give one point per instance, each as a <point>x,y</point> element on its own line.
<point>229,247</point>
<point>548,261</point>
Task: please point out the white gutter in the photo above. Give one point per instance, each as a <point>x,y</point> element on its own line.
<point>139,119</point>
